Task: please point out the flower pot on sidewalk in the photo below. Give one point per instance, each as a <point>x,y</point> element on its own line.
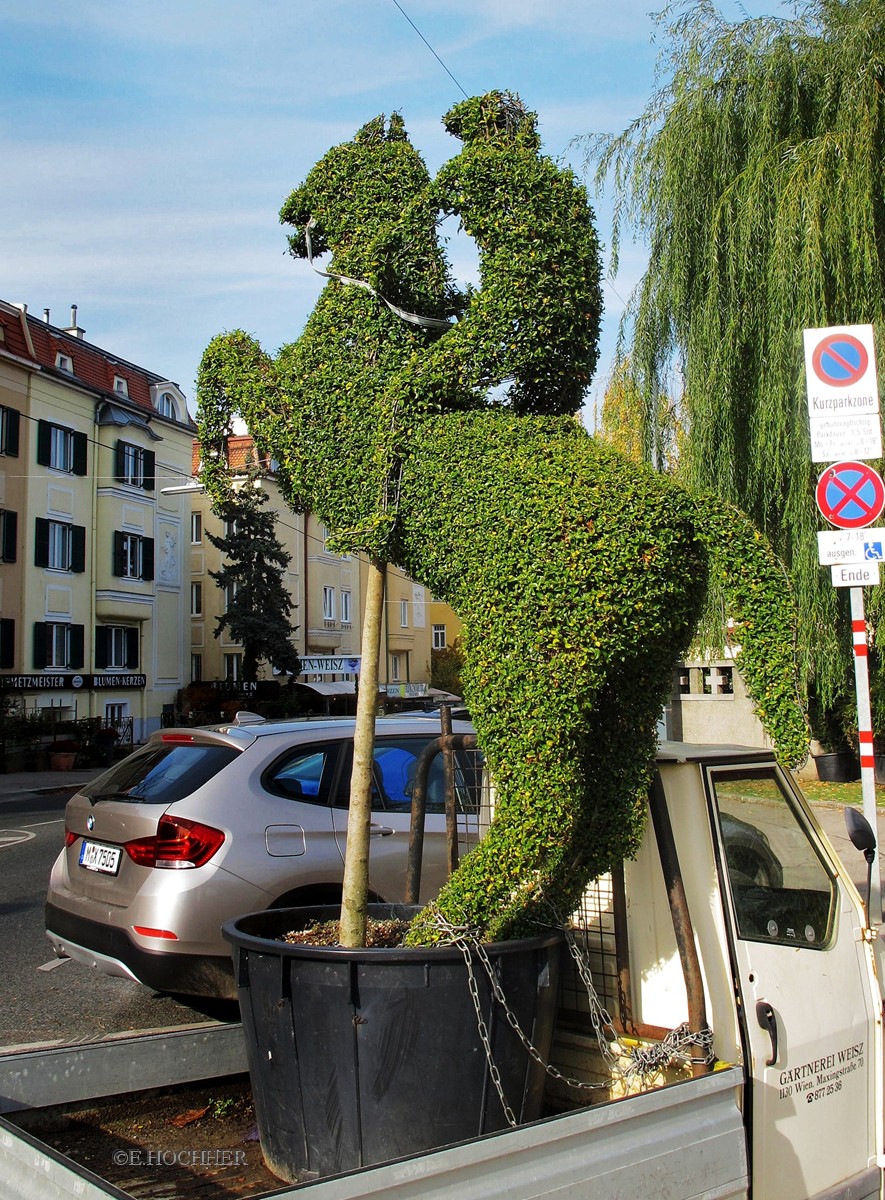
<point>841,767</point>
<point>360,1056</point>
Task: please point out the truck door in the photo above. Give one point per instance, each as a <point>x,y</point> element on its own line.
<point>806,989</point>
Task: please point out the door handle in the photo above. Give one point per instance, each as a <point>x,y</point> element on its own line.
<point>768,1021</point>
<point>380,830</point>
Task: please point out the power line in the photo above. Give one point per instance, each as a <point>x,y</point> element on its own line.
<point>431,49</point>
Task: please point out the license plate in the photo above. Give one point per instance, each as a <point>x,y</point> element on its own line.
<point>96,857</point>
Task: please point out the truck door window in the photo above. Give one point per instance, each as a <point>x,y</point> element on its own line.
<point>782,890</point>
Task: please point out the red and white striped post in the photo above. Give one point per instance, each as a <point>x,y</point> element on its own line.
<point>865,738</point>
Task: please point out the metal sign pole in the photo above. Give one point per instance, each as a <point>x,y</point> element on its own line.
<point>865,737</point>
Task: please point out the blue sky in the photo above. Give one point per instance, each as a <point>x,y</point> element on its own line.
<point>147,148</point>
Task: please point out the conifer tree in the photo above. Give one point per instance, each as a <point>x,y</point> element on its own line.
<point>259,606</point>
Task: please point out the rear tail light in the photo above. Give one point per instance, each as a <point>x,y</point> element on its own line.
<point>178,844</point>
<point>70,837</point>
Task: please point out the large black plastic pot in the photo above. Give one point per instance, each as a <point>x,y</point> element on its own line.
<point>360,1056</point>
<point>840,767</point>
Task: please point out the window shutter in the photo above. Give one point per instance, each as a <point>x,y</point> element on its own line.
<point>147,558</point>
<point>118,552</point>
<point>80,444</point>
<point>132,649</point>
<point>119,455</point>
<point>9,549</point>
<point>77,644</point>
<point>40,636</point>
<point>78,548</point>
<point>102,641</point>
<point>7,643</point>
<point>44,438</point>
<point>150,470</point>
<point>13,418</point>
<point>41,542</point>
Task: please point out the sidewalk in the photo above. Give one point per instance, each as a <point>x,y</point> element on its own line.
<point>17,785</point>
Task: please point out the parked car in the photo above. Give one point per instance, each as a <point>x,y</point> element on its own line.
<point>200,825</point>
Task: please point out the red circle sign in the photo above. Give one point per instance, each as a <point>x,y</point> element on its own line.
<point>840,359</point>
<point>850,495</point>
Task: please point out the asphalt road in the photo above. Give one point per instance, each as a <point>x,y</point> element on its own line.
<point>45,1000</point>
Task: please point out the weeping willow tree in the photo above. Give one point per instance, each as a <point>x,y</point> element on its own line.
<point>755,175</point>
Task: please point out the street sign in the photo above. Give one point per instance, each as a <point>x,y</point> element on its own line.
<point>839,437</point>
<point>850,495</point>
<point>840,359</point>
<point>843,396</point>
<point>857,575</point>
<point>844,547</point>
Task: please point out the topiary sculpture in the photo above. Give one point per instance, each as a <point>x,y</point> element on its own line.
<point>578,575</point>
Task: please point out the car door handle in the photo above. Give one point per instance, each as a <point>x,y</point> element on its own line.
<point>768,1021</point>
<point>379,830</point>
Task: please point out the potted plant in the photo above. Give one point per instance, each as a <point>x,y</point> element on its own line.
<point>579,575</point>
<point>63,754</point>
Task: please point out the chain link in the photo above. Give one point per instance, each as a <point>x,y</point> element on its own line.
<point>678,1045</point>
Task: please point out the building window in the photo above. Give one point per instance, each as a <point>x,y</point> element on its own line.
<point>196,528</point>
<point>230,595</point>
<point>135,465</point>
<point>64,362</point>
<point>166,405</point>
<point>233,668</point>
<point>116,646</point>
<point>133,556</point>
<point>61,448</point>
<point>59,545</point>
<point>439,637</point>
<point>10,419</point>
<point>121,387</point>
<point>395,668</point>
<point>404,614</point>
<point>8,535</point>
<point>328,604</point>
<point>196,668</point>
<point>345,608</point>
<point>196,599</point>
<point>7,643</point>
<point>58,645</point>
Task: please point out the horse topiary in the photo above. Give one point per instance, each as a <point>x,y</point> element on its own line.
<point>579,576</point>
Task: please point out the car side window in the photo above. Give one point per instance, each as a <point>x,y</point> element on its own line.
<point>303,774</point>
<point>396,760</point>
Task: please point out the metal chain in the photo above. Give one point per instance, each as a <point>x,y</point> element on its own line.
<point>643,1060</point>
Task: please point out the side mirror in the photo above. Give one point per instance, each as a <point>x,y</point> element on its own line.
<point>860,831</point>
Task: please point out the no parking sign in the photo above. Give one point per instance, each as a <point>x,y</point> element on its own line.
<point>850,495</point>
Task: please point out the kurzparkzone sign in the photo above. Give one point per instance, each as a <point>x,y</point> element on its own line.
<point>843,396</point>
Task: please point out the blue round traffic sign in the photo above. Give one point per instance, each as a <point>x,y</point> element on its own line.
<point>840,359</point>
<point>850,495</point>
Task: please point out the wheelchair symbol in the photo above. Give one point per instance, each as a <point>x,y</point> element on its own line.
<point>872,551</point>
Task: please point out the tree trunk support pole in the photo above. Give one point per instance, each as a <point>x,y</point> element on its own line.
<point>354,896</point>
<point>865,739</point>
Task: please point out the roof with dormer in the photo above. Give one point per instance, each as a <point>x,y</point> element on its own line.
<point>41,345</point>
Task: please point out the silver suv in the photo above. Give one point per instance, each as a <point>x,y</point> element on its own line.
<point>200,825</point>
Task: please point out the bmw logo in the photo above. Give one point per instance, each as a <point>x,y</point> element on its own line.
<point>90,822</point>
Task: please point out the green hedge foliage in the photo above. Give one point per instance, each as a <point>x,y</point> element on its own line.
<point>579,575</point>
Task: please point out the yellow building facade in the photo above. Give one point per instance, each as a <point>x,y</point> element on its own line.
<point>93,581</point>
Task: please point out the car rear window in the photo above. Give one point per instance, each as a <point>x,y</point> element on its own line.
<point>161,773</point>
